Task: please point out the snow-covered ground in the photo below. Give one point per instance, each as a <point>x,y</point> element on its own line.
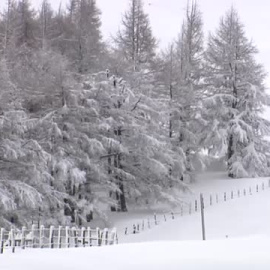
<point>237,237</point>
<point>213,184</point>
<point>245,254</point>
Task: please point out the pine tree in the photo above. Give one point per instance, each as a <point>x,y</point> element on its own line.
<point>26,25</point>
<point>181,73</point>
<point>79,35</point>
<point>136,40</point>
<point>237,96</point>
<point>46,24</point>
<point>190,48</point>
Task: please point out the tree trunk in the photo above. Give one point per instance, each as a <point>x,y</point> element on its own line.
<point>113,208</point>
<point>230,154</point>
<point>122,198</point>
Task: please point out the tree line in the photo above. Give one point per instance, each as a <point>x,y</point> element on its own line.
<point>88,126</point>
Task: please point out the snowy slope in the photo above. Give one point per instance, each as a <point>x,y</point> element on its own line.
<point>240,217</point>
<point>237,237</point>
<point>210,184</point>
<point>245,254</point>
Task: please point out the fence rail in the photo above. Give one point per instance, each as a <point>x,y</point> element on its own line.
<point>194,206</point>
<point>60,237</point>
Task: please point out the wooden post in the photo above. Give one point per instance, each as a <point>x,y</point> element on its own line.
<point>23,237</point>
<point>172,215</point>
<point>196,207</point>
<point>250,193</point>
<point>138,227</point>
<point>75,236</point>
<point>67,237</point>
<point>225,196</point>
<point>2,240</point>
<point>113,237</point>
<point>106,234</point>
<point>238,192</point>
<point>39,217</point>
<point>134,228</point>
<point>155,218</point>
<point>116,238</point>
<point>33,229</point>
<point>12,240</point>
<point>202,216</point>
<point>89,236</point>
<point>41,236</point>
<point>257,188</point>
<point>98,237</point>
<point>244,192</point>
<point>126,231</point>
<point>83,236</point>
<point>232,195</point>
<point>165,218</point>
<point>59,242</point>
<point>51,237</point>
<point>143,225</point>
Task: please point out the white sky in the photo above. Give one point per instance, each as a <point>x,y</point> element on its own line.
<point>166,18</point>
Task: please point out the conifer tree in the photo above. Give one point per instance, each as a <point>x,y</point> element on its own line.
<point>237,96</point>
<point>181,71</point>
<point>135,39</point>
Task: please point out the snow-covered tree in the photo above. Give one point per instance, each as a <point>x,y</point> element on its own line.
<point>135,39</point>
<point>236,98</point>
<point>139,152</point>
<point>180,74</point>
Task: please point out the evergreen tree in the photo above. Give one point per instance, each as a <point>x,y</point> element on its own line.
<point>180,74</point>
<point>80,35</point>
<point>46,24</point>
<point>135,39</point>
<point>26,25</point>
<point>237,96</point>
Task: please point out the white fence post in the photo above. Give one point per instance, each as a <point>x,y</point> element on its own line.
<point>23,237</point>
<point>2,240</point>
<point>33,228</point>
<point>98,237</point>
<point>89,236</point>
<point>59,242</point>
<point>51,237</point>
<point>67,237</point>
<point>83,236</point>
<point>41,236</point>
<point>12,240</point>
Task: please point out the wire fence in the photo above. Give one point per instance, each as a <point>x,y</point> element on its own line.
<point>66,237</point>
<point>60,237</point>
<point>194,206</point>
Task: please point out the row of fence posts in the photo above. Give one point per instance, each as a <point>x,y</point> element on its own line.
<point>35,238</point>
<point>198,204</point>
<point>148,223</point>
<point>228,195</point>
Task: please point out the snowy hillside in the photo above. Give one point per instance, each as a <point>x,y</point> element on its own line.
<point>237,237</point>
<point>245,254</point>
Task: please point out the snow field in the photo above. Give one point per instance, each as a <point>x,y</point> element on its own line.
<point>241,254</point>
<point>237,238</point>
<point>214,185</point>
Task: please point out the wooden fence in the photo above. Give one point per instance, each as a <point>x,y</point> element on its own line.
<point>60,237</point>
<point>194,206</point>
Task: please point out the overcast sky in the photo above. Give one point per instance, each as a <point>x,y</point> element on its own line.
<point>166,17</point>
